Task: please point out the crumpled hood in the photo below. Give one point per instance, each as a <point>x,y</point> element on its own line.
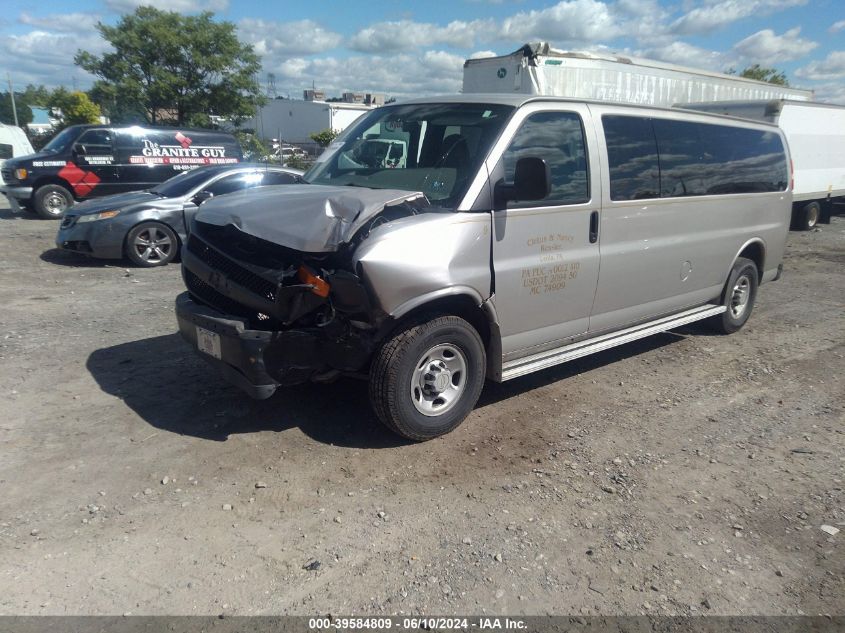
<point>117,201</point>
<point>307,218</point>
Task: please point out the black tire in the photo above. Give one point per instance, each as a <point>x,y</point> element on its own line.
<point>51,201</point>
<point>404,355</point>
<point>151,244</point>
<point>738,297</point>
<point>807,217</point>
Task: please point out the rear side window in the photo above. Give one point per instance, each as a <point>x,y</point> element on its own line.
<point>278,178</point>
<point>557,138</point>
<point>691,159</point>
<point>632,158</point>
<point>744,161</point>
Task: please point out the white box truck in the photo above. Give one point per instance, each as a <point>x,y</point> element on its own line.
<point>816,136</point>
<point>539,69</point>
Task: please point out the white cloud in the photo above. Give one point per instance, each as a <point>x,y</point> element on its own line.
<point>41,57</point>
<point>275,39</point>
<point>719,13</point>
<point>401,75</point>
<point>767,47</point>
<point>482,54</point>
<point>62,22</point>
<point>830,93</point>
<point>181,6</point>
<point>684,54</point>
<point>568,23</point>
<point>407,34</point>
<point>831,67</point>
<point>837,26</point>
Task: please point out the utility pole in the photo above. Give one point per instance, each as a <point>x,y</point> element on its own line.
<point>12,95</point>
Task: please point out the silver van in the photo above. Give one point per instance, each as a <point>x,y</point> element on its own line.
<point>518,233</point>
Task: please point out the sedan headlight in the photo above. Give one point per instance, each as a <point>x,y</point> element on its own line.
<point>20,173</point>
<point>102,215</point>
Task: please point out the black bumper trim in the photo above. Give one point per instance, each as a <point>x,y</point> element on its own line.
<point>241,349</point>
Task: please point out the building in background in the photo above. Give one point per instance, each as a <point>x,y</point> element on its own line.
<point>291,121</point>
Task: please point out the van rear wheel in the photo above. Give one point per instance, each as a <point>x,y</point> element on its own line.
<point>51,201</point>
<point>426,379</point>
<point>738,297</point>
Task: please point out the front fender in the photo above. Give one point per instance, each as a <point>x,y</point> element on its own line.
<point>412,261</point>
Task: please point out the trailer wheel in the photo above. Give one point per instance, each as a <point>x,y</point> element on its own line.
<point>426,379</point>
<point>738,297</point>
<point>808,216</point>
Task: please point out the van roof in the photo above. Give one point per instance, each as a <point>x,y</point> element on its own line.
<point>518,100</point>
<point>158,128</point>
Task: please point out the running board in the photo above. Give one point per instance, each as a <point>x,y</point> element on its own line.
<point>552,357</point>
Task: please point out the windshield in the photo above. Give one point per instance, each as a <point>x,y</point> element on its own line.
<point>434,148</point>
<point>61,141</point>
<point>182,184</point>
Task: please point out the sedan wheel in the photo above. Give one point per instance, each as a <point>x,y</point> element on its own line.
<point>152,244</point>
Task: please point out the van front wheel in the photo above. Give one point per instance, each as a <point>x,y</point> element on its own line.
<point>738,297</point>
<point>426,379</point>
<point>51,201</point>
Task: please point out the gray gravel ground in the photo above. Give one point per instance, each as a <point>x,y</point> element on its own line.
<point>688,473</point>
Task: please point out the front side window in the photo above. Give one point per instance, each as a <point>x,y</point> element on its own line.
<point>557,138</point>
<point>434,148</point>
<point>95,142</point>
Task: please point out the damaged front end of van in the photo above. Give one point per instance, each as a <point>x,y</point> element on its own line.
<point>301,285</point>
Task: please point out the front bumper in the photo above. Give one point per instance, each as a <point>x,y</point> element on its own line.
<point>19,193</point>
<point>241,350</point>
<point>102,238</point>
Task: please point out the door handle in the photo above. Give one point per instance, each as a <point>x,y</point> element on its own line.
<point>594,227</point>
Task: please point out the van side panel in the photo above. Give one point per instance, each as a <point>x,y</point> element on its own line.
<point>660,255</point>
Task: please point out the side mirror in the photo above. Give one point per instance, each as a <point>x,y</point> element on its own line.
<point>80,150</point>
<point>531,181</point>
<point>201,197</point>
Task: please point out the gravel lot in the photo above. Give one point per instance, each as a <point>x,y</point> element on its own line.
<point>687,473</point>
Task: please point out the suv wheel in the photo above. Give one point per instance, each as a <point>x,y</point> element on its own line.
<point>426,379</point>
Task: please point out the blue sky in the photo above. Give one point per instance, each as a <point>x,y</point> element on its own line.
<point>417,48</point>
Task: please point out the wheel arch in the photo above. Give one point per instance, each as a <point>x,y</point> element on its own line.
<point>52,179</point>
<point>755,250</point>
<point>461,301</point>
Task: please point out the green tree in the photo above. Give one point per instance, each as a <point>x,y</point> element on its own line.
<point>324,137</point>
<point>759,73</point>
<point>174,68</point>
<point>7,115</point>
<point>77,107</point>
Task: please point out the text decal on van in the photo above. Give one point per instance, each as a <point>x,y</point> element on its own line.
<point>185,153</point>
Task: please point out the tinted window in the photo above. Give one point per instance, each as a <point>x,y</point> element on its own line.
<point>632,158</point>
<point>96,142</point>
<point>683,158</point>
<point>5,150</point>
<point>235,182</point>
<point>278,178</point>
<point>557,138</point>
<point>743,161</point>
